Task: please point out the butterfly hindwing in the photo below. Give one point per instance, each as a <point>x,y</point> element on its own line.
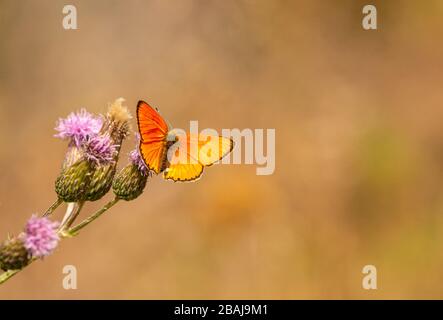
<point>213,149</point>
<point>183,172</point>
<point>192,153</point>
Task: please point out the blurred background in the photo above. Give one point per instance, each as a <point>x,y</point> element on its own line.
<point>359,150</point>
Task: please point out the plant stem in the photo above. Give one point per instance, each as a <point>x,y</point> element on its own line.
<point>54,206</point>
<point>73,231</point>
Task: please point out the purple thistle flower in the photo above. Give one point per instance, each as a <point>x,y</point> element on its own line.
<point>78,127</point>
<point>40,236</point>
<point>137,160</point>
<point>100,149</point>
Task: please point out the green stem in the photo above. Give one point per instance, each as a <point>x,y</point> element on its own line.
<point>74,230</point>
<point>54,206</point>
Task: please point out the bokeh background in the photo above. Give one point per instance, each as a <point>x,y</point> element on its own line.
<point>359,150</point>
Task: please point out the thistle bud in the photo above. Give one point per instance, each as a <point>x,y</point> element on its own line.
<point>101,182</point>
<point>79,128</point>
<point>130,182</point>
<point>13,254</point>
<point>101,152</point>
<point>73,181</point>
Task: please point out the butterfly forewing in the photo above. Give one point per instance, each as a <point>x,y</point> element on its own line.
<point>153,132</point>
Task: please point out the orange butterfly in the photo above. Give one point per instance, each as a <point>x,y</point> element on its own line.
<point>181,157</point>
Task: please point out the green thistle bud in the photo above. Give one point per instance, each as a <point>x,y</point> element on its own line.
<point>73,181</point>
<point>101,182</point>
<point>129,183</point>
<point>13,255</point>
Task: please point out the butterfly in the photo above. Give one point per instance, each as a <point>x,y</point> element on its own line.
<point>178,155</point>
